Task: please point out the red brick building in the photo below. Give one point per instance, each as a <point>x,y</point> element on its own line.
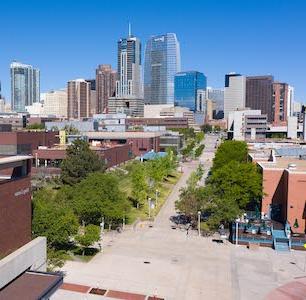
<point>24,142</point>
<point>15,203</point>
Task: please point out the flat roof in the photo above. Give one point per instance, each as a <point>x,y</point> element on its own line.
<point>282,163</point>
<point>32,285</point>
<point>120,135</point>
<point>13,159</point>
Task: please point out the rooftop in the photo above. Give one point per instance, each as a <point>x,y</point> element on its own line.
<point>121,135</point>
<point>281,163</point>
<point>13,159</point>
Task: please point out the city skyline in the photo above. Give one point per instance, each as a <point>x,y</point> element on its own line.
<point>252,52</point>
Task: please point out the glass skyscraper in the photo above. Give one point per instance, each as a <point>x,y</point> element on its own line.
<point>162,62</point>
<point>186,86</point>
<point>25,86</point>
<point>128,82</point>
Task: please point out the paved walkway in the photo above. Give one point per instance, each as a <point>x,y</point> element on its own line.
<point>159,260</point>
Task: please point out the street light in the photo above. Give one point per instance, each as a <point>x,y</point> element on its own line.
<point>156,195</point>
<point>199,223</point>
<point>237,223</point>
<point>149,203</point>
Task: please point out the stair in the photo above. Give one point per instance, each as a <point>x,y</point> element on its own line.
<point>280,240</point>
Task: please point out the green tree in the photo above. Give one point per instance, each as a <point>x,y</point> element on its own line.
<point>139,184</point>
<point>199,150</point>
<point>206,128</point>
<point>99,196</point>
<point>230,151</point>
<point>199,137</point>
<point>53,220</point>
<point>90,235</point>
<point>79,162</point>
<point>36,126</point>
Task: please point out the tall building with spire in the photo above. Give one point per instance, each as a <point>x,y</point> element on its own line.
<point>129,83</point>
<point>162,62</point>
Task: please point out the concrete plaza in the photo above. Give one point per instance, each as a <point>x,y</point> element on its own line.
<point>167,263</point>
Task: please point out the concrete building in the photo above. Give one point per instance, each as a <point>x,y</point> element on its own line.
<point>105,87</point>
<point>247,125</point>
<point>186,86</point>
<point>292,127</point>
<point>78,99</point>
<point>280,103</point>
<point>56,103</point>
<point>16,120</point>
<point>259,94</point>
<point>234,93</point>
<point>130,106</point>
<point>162,62</point>
<point>167,123</point>
<point>154,110</point>
<point>129,83</point>
<point>110,122</point>
<point>25,86</point>
<point>2,105</point>
<point>290,101</point>
<point>36,108</point>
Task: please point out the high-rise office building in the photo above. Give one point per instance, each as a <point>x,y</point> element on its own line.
<point>56,103</point>
<point>105,86</point>
<point>162,62</point>
<point>217,96</point>
<point>280,103</point>
<point>129,83</point>
<point>93,96</point>
<point>25,86</point>
<point>186,86</point>
<point>234,93</point>
<point>259,94</point>
<point>78,99</point>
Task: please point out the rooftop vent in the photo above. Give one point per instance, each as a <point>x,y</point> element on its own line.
<point>291,166</point>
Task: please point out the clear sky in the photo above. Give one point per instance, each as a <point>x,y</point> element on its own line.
<point>67,39</point>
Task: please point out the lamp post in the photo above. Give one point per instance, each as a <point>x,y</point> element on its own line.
<point>199,223</point>
<point>123,223</point>
<point>237,220</point>
<point>149,203</point>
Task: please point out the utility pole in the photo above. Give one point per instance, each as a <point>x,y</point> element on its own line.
<point>199,223</point>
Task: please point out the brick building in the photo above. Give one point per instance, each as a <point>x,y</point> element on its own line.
<point>24,142</point>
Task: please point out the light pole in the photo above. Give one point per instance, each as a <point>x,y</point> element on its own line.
<point>149,203</point>
<point>237,220</point>
<point>199,223</point>
<point>123,223</point>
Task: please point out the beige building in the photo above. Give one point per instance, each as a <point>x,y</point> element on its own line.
<point>56,103</point>
<point>105,87</point>
<point>78,99</point>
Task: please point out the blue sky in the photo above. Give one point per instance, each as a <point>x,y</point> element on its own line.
<point>67,39</point>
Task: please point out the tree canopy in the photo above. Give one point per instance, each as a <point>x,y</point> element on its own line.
<point>79,162</point>
<point>230,151</point>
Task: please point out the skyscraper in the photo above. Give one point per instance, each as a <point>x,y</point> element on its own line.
<point>162,62</point>
<point>217,96</point>
<point>259,94</point>
<point>186,86</point>
<point>105,86</point>
<point>25,86</point>
<point>78,99</point>
<point>128,82</point>
<point>234,93</point>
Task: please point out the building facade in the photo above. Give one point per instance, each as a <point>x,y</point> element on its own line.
<point>217,96</point>
<point>56,103</point>
<point>259,94</point>
<point>105,87</point>
<point>129,83</point>
<point>25,86</point>
<point>280,103</point>
<point>78,99</point>
<point>234,93</point>
<point>186,86</point>
<point>162,62</point>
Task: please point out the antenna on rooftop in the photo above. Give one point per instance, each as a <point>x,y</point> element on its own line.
<point>130,30</point>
